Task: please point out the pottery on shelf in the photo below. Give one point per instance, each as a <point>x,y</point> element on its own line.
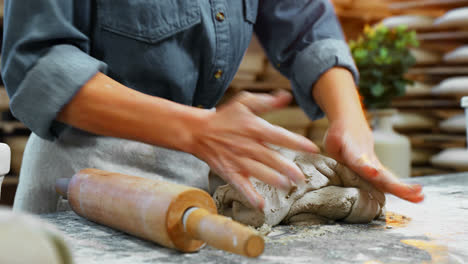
<point>411,21</point>
<point>412,121</point>
<point>453,85</point>
<point>421,156</point>
<point>418,88</point>
<point>456,124</point>
<point>454,18</point>
<point>454,158</point>
<point>424,57</point>
<point>459,55</point>
<point>392,149</point>
<point>5,157</point>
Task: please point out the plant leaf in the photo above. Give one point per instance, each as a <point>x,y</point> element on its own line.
<point>377,89</point>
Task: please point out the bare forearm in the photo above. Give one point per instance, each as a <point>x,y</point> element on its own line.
<point>106,107</point>
<point>336,94</point>
<point>349,138</point>
<point>231,140</point>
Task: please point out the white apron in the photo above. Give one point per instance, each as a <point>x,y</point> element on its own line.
<point>45,161</point>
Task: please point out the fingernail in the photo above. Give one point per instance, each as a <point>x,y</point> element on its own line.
<point>295,177</point>
<point>285,183</point>
<point>422,198</point>
<point>310,147</point>
<point>415,187</point>
<point>417,199</point>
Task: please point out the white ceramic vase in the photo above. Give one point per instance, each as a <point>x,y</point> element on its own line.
<point>392,149</point>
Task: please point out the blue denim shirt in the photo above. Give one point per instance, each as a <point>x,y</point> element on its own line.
<point>187,51</point>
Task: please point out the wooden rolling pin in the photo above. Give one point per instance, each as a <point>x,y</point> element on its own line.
<point>172,215</point>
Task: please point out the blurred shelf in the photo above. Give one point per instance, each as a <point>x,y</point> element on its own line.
<point>12,126</point>
<point>426,104</point>
<point>4,100</point>
<point>10,180</point>
<point>439,70</point>
<point>9,186</point>
<point>369,11</point>
<point>438,140</point>
<point>290,117</point>
<point>417,171</point>
<point>443,36</point>
<point>422,4</point>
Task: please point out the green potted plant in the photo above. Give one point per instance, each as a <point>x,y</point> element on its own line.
<point>383,57</point>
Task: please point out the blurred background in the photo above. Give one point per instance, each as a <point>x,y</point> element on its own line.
<point>413,59</point>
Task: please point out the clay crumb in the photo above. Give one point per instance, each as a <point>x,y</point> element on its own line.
<point>264,230</point>
<point>292,190</point>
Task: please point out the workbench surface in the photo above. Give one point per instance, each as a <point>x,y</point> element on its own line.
<point>435,231</point>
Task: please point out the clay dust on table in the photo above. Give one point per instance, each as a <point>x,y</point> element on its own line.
<point>396,220</point>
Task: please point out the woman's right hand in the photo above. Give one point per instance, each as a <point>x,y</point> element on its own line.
<point>234,142</point>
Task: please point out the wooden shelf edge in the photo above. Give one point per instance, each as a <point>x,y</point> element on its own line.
<point>10,180</point>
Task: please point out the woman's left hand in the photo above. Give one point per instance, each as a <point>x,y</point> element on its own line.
<point>351,143</point>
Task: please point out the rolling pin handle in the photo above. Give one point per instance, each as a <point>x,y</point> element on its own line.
<point>61,186</point>
<point>222,232</point>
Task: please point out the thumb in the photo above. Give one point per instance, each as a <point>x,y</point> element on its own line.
<point>332,144</point>
<point>262,103</point>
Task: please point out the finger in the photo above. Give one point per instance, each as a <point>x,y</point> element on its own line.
<point>350,178</point>
<point>391,184</point>
<point>407,192</point>
<point>372,173</point>
<point>279,136</point>
<point>264,173</point>
<point>387,182</point>
<point>262,103</point>
<point>245,187</point>
<point>272,159</point>
<point>282,99</point>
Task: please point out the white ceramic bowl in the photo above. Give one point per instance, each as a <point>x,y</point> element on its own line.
<point>454,158</point>
<point>411,21</point>
<point>453,18</point>
<point>5,159</point>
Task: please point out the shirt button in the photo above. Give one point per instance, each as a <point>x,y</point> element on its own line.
<point>218,74</point>
<point>220,16</point>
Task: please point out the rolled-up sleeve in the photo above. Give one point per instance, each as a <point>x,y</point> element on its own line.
<point>45,61</point>
<point>303,39</point>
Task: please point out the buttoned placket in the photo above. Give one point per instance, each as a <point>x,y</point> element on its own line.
<point>222,40</point>
<point>222,50</point>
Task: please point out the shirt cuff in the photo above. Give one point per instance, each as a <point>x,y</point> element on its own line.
<point>314,61</point>
<point>50,84</point>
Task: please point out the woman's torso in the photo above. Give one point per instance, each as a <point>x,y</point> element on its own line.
<point>183,50</point>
